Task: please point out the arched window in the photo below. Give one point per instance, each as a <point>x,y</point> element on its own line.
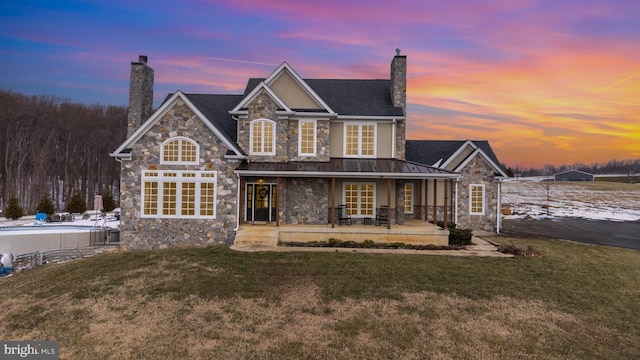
<point>262,137</point>
<point>179,150</point>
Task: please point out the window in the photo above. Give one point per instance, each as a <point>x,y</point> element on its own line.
<point>408,198</point>
<point>476,199</point>
<point>178,194</point>
<point>262,137</point>
<point>307,137</point>
<point>360,198</point>
<point>360,140</point>
<point>179,150</point>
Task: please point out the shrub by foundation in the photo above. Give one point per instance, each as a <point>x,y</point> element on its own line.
<point>460,236</point>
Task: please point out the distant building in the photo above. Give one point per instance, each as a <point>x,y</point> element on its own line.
<point>574,175</point>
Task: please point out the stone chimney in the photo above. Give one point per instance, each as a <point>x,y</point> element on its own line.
<point>399,80</point>
<point>140,94</point>
<point>399,99</point>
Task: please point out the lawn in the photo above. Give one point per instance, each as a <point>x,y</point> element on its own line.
<point>576,302</point>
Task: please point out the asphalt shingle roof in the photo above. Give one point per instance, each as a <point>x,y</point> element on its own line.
<point>349,96</point>
<point>431,151</point>
<point>216,109</point>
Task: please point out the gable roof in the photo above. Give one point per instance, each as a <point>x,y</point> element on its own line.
<point>212,110</point>
<point>216,109</point>
<point>440,152</point>
<point>349,97</point>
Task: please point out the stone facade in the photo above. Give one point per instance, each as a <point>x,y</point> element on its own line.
<point>322,141</point>
<point>478,171</point>
<point>399,81</point>
<point>401,141</point>
<point>399,215</point>
<point>399,99</point>
<point>304,201</point>
<point>140,94</point>
<point>153,233</point>
<point>263,107</point>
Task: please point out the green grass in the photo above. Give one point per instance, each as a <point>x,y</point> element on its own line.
<point>578,301</point>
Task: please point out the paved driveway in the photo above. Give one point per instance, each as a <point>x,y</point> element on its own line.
<point>611,233</point>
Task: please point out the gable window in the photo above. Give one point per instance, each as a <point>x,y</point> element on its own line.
<point>408,198</point>
<point>262,137</point>
<point>360,140</point>
<point>360,198</point>
<point>307,137</point>
<point>476,199</point>
<point>178,194</point>
<point>179,150</point>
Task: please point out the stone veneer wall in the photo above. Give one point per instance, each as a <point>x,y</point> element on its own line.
<point>304,200</point>
<point>140,94</point>
<point>263,107</point>
<point>399,99</point>
<point>322,141</point>
<point>401,141</point>
<point>150,233</point>
<point>478,172</point>
<point>400,215</point>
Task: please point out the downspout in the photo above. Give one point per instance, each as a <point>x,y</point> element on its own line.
<point>456,207</point>
<point>499,214</point>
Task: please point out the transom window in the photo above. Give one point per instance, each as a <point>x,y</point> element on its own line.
<point>179,150</point>
<point>179,194</point>
<point>408,198</point>
<point>476,199</point>
<point>360,198</point>
<point>307,137</point>
<point>263,137</point>
<point>360,140</point>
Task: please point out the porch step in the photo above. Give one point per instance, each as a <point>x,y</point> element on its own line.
<point>257,235</point>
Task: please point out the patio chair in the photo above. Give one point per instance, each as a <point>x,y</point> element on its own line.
<point>343,215</point>
<point>382,215</point>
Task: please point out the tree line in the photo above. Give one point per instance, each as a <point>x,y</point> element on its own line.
<point>52,147</point>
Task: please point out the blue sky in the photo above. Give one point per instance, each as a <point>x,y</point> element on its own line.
<point>546,82</point>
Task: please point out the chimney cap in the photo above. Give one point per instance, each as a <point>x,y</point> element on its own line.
<point>397,51</point>
<point>142,59</point>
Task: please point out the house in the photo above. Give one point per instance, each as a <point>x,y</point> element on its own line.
<point>478,189</point>
<point>574,175</point>
<point>282,157</point>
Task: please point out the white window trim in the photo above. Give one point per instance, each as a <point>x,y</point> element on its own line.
<point>410,199</point>
<point>179,179</point>
<point>273,137</point>
<point>315,134</point>
<point>471,186</point>
<point>358,212</point>
<point>360,124</point>
<point>180,162</point>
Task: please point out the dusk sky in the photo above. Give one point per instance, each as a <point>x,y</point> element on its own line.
<point>545,81</point>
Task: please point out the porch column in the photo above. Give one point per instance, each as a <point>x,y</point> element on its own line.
<point>446,203</point>
<point>435,201</point>
<point>420,199</point>
<point>426,200</point>
<point>389,203</point>
<point>278,189</point>
<point>333,203</point>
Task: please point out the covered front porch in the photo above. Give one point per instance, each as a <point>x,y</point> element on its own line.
<point>413,231</point>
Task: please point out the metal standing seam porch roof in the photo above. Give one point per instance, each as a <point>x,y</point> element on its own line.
<point>346,167</point>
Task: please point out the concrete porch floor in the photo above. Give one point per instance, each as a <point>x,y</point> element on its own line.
<point>413,231</point>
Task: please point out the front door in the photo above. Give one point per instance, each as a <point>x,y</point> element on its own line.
<point>261,202</point>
